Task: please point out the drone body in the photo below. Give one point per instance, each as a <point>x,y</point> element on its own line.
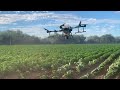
<point>66,29</point>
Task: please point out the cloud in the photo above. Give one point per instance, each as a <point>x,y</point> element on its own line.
<point>61,18</point>
<point>58,18</point>
<point>33,30</point>
<point>117,11</point>
<point>55,19</point>
<point>10,18</point>
<point>102,29</point>
<point>110,21</point>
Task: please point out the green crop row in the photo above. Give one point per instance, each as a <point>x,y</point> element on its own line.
<point>61,60</point>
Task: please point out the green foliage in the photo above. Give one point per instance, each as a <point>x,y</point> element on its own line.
<point>114,69</point>
<point>57,61</point>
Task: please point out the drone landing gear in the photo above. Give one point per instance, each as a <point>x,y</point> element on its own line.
<point>66,37</point>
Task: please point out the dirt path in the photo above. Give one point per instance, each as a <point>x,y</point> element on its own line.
<point>103,72</point>
<point>29,75</point>
<point>117,76</point>
<point>90,68</point>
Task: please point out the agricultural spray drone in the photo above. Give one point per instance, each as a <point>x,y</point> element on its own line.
<point>66,30</point>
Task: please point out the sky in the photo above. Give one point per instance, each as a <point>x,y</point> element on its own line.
<point>34,22</point>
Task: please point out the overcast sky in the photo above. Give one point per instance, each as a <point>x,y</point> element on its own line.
<point>33,22</point>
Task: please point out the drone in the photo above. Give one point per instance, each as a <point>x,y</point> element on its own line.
<point>66,30</point>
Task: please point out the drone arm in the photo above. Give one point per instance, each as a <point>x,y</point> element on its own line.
<point>75,27</point>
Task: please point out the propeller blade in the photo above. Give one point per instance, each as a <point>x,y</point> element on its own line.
<point>45,29</point>
<point>80,23</point>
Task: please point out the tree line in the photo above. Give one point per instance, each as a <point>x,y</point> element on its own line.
<point>18,37</point>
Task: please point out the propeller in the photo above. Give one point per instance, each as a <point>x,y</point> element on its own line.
<point>80,25</point>
<point>47,31</point>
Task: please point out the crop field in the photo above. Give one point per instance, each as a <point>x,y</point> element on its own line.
<point>62,61</point>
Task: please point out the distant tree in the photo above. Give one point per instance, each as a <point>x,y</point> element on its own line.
<point>10,37</point>
<point>79,39</point>
<point>108,38</point>
<point>18,37</point>
<point>93,39</point>
<point>117,39</point>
